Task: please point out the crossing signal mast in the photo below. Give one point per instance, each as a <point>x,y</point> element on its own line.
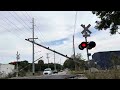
<point>88,45</point>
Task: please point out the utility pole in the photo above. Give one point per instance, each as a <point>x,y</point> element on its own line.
<point>54,62</point>
<point>33,65</point>
<point>33,47</point>
<point>60,64</point>
<point>48,59</point>
<point>74,54</point>
<point>18,57</point>
<point>73,41</point>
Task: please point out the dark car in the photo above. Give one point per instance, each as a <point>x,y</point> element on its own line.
<point>55,71</point>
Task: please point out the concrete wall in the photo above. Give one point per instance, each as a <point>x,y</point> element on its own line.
<point>5,69</point>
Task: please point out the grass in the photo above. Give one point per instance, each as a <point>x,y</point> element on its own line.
<point>101,74</point>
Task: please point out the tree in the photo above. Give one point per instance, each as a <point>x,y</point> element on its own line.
<point>41,64</point>
<point>115,60</point>
<point>71,64</point>
<point>21,67</point>
<point>109,19</point>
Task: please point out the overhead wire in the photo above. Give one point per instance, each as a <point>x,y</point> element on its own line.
<point>42,36</point>
<point>23,21</point>
<point>62,47</point>
<point>36,35</point>
<point>19,21</point>
<point>14,25</point>
<point>41,40</point>
<point>9,23</point>
<point>38,29</point>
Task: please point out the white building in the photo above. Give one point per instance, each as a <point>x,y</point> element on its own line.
<point>5,69</point>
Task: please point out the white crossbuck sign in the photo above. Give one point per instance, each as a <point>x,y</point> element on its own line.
<point>86,32</point>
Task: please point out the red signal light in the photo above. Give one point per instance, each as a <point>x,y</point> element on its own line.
<point>88,45</point>
<point>84,44</point>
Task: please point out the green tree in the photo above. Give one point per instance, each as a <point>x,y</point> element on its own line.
<point>71,64</point>
<point>108,19</point>
<point>23,64</point>
<point>81,64</point>
<point>115,60</point>
<point>41,64</point>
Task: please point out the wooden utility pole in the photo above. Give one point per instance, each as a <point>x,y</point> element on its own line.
<point>48,59</point>
<point>18,57</point>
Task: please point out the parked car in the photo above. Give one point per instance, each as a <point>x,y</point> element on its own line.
<point>55,71</point>
<point>47,71</point>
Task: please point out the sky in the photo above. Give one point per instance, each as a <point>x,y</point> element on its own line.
<point>54,29</point>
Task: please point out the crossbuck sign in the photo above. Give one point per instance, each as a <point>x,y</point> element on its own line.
<point>86,32</point>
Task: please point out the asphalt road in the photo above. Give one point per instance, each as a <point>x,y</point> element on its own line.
<point>59,75</point>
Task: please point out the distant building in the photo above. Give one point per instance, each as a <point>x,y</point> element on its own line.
<point>5,69</point>
<point>103,59</point>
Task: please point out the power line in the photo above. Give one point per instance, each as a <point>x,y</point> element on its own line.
<point>35,25</point>
<point>9,25</point>
<point>13,24</point>
<point>43,36</point>
<point>25,16</point>
<point>19,21</point>
<point>22,20</point>
<point>38,29</point>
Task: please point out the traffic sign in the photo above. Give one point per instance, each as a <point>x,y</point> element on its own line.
<point>86,29</point>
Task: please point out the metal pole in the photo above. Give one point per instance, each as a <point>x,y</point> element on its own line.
<point>87,49</point>
<point>54,62</point>
<point>60,64</point>
<point>33,48</point>
<point>74,54</point>
<point>87,53</point>
<point>48,59</point>
<point>17,63</point>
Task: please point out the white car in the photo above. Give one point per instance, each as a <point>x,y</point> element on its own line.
<point>47,71</point>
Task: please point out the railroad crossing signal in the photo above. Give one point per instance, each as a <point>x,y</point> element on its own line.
<point>82,45</point>
<point>86,32</point>
<point>91,45</point>
<point>88,45</point>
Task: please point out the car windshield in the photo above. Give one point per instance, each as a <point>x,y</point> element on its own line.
<point>47,69</point>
